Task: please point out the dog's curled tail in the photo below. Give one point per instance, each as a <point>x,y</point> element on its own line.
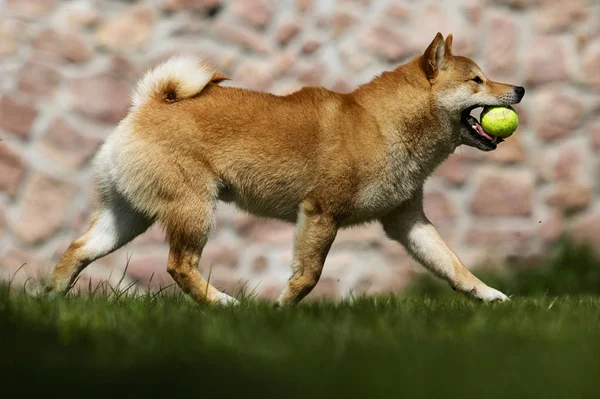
<point>174,80</point>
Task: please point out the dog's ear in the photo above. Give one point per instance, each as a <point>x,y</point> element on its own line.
<point>448,45</point>
<point>433,58</point>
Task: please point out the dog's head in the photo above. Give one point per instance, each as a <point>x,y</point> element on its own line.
<point>459,86</point>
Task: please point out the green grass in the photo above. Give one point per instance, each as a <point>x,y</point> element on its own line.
<point>417,345</point>
<point>371,348</point>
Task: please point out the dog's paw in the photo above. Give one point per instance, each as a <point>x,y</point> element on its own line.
<point>488,294</point>
<point>50,294</point>
<point>224,299</point>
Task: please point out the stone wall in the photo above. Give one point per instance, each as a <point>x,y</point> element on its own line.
<point>67,68</point>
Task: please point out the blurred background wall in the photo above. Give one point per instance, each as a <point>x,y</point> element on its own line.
<point>67,68</point>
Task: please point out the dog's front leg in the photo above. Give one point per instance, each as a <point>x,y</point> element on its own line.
<point>315,232</point>
<point>409,226</point>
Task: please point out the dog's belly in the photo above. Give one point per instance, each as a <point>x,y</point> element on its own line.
<point>369,204</point>
<point>285,209</point>
<point>288,210</point>
<point>366,215</point>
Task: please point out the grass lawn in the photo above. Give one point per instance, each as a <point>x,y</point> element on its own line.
<point>543,345</point>
<point>385,347</point>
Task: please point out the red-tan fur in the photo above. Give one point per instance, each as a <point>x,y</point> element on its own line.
<point>321,159</point>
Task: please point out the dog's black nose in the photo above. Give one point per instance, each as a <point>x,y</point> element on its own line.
<point>520,91</point>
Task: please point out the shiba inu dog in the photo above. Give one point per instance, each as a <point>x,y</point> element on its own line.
<point>320,159</point>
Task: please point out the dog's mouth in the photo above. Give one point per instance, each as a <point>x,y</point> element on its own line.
<point>473,127</point>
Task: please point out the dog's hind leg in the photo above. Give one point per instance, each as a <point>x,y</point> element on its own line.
<point>315,232</point>
<point>188,224</point>
<point>113,225</point>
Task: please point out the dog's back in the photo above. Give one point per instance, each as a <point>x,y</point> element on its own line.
<point>265,152</point>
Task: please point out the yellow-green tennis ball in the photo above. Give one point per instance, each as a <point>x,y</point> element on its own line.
<point>499,121</point>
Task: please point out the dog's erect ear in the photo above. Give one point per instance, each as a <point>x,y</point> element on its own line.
<point>433,58</point>
<point>448,45</point>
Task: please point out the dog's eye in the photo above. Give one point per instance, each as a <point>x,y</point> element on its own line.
<point>477,80</point>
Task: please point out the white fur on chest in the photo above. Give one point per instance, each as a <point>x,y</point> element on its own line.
<point>403,175</point>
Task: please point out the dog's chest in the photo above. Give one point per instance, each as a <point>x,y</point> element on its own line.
<point>382,195</point>
<point>392,186</point>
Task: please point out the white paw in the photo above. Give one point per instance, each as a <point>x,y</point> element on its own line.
<point>488,294</point>
<point>49,293</point>
<point>224,299</point>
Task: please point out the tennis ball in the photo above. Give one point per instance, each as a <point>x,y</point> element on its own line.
<point>499,121</point>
